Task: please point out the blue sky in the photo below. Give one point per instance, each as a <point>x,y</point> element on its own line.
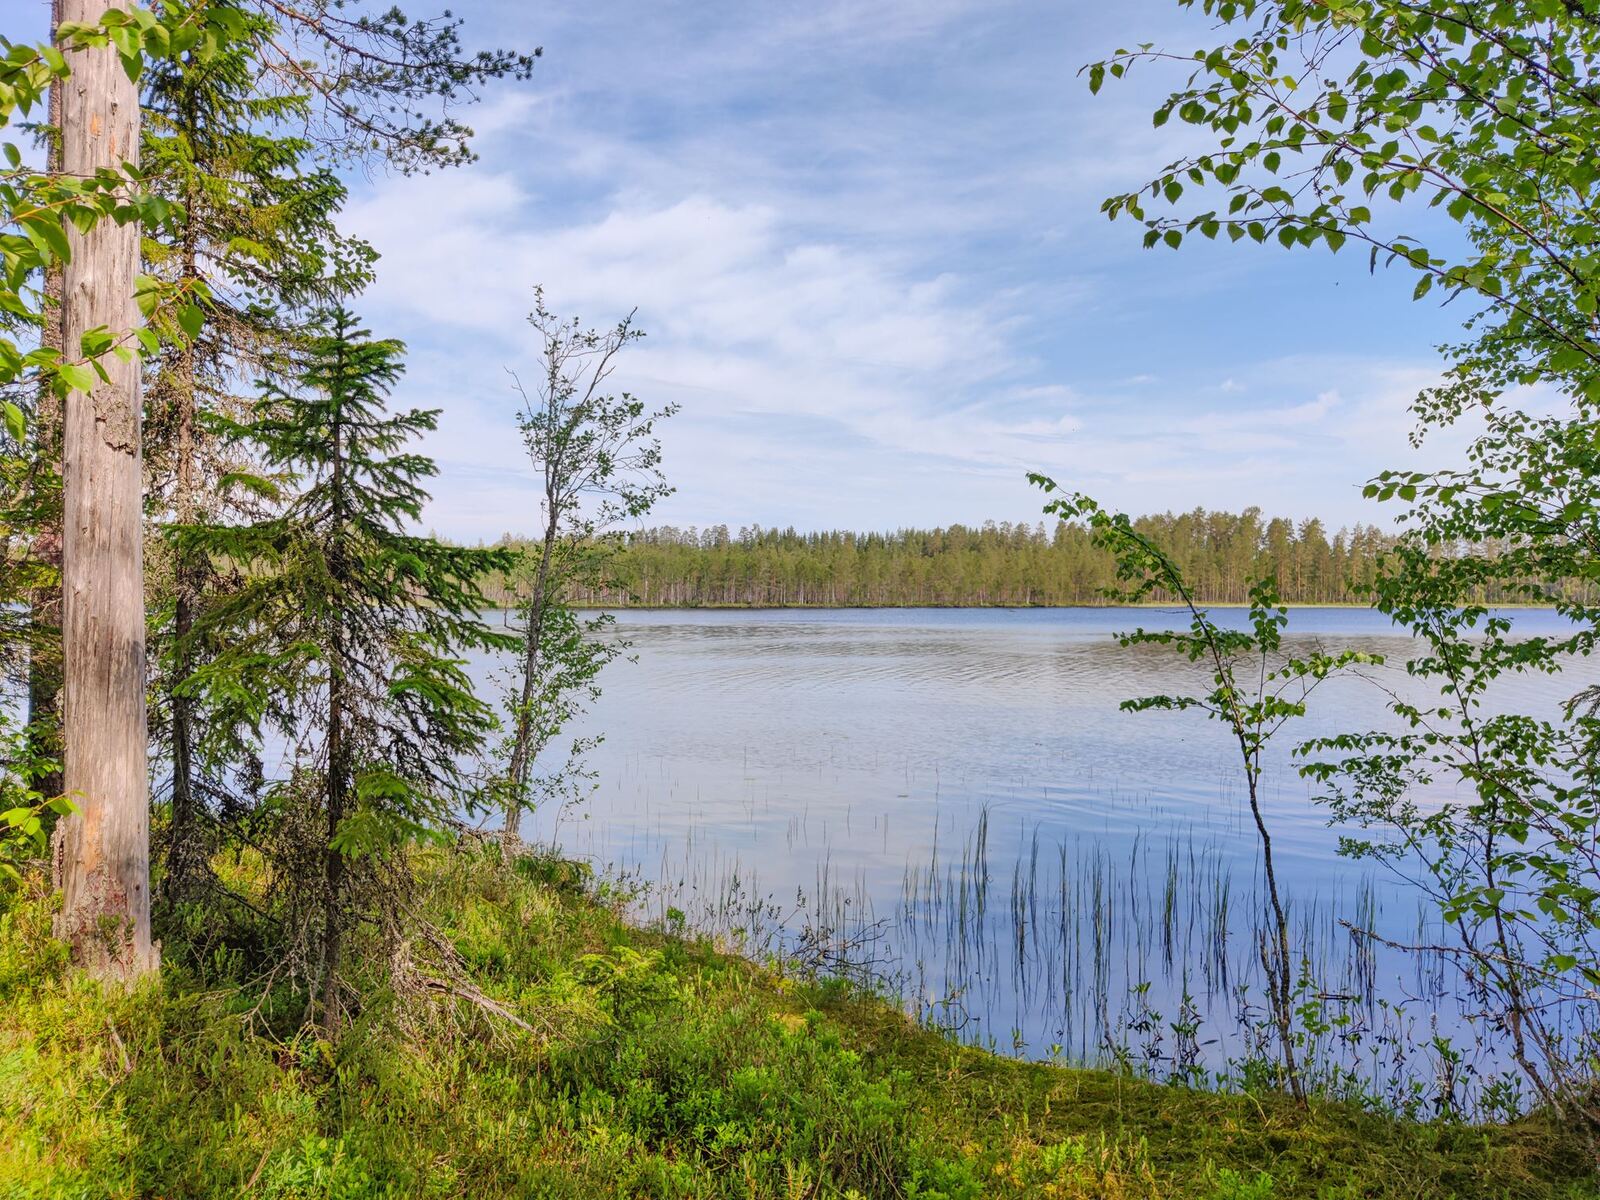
<point>864,240</point>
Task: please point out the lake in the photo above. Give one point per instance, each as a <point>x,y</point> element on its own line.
<point>953,801</point>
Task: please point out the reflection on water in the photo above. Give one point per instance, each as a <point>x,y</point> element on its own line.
<point>956,794</point>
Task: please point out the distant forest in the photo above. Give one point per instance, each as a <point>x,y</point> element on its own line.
<point>995,564</point>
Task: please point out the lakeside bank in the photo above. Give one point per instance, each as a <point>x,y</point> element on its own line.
<point>571,1054</point>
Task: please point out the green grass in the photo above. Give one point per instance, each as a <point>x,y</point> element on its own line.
<point>658,1067</point>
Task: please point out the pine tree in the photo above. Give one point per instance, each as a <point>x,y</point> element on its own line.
<point>104,852</point>
<point>348,634</point>
<point>371,88</point>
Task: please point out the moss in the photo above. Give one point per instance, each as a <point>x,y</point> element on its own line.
<point>658,1067</point>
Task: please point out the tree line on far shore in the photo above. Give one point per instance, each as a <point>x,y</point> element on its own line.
<point>1001,564</point>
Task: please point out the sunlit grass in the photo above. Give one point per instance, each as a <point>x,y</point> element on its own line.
<point>657,1066</point>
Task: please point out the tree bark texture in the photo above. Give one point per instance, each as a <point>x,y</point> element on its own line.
<point>103,852</point>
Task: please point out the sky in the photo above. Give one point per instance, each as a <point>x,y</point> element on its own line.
<point>864,240</point>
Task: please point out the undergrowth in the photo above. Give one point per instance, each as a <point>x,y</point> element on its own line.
<point>651,1066</point>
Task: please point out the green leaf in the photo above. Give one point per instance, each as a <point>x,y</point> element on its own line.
<point>191,319</point>
<point>78,376</point>
<point>47,234</point>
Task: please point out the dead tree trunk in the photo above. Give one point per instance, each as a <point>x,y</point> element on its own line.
<point>102,853</point>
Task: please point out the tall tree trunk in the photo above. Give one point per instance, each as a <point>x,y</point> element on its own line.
<point>522,746</point>
<point>103,852</point>
<point>338,780</point>
<point>186,852</point>
<point>44,603</point>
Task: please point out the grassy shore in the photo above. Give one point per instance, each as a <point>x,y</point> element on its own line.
<point>650,1065</point>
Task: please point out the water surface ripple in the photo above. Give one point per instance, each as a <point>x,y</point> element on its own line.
<point>962,786</point>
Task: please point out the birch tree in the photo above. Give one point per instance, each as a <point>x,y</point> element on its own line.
<point>598,463</point>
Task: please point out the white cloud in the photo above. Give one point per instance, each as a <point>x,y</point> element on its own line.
<point>749,326</point>
<point>865,243</point>
<point>828,379</point>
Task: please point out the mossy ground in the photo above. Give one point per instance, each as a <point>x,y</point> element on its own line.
<point>660,1067</point>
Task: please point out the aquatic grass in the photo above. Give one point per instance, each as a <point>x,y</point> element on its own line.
<point>1092,949</point>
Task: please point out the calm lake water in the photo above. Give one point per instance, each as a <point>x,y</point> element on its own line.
<point>954,797</point>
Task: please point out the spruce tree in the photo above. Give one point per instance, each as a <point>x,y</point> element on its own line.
<point>252,236</point>
<point>347,634</point>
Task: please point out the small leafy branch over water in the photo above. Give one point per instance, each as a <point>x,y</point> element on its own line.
<point>1513,858</point>
<point>1306,115</point>
<point>1254,711</point>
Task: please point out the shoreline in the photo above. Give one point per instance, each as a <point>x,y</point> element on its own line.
<point>682,1048</point>
<point>1147,604</point>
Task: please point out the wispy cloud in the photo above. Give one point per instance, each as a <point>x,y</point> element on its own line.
<point>865,242</point>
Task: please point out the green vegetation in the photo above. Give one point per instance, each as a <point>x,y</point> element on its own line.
<point>1257,689</point>
<point>1219,554</point>
<point>997,564</point>
<point>351,626</point>
<point>1305,115</point>
<point>357,999</point>
<point>599,463</point>
<point>651,1066</point>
